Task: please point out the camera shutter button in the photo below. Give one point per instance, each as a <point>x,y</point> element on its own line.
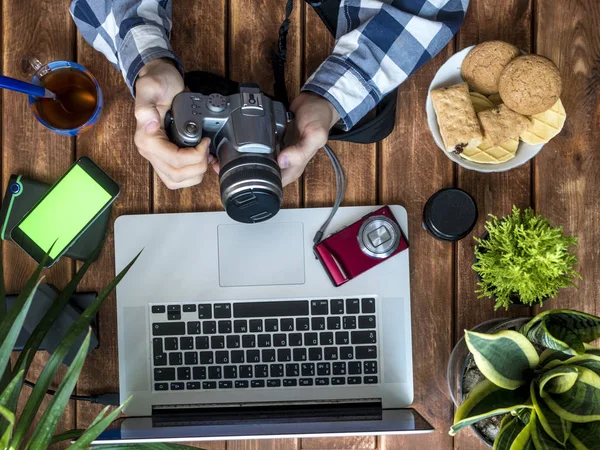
<point>216,103</point>
<point>191,128</point>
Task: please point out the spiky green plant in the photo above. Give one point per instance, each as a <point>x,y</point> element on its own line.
<point>551,400</point>
<point>14,427</point>
<point>524,258</point>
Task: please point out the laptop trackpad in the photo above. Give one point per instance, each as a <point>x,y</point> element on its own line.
<point>263,254</point>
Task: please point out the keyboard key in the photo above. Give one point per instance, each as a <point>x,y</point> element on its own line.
<point>189,308</point>
<point>158,309</point>
<point>161,386</point>
<point>285,308</point>
<point>363,337</point>
<point>171,344</point>
<point>222,310</point>
<point>268,356</point>
<point>370,367</point>
<point>225,384</point>
<point>349,322</point>
<point>279,340</point>
<point>264,340</point>
<point>308,369</point>
<point>295,339</point>
<point>160,359</point>
<point>186,343</point>
<point>209,327</point>
<point>168,328</point>
<point>366,322</point>
<point>290,382</point>
<point>306,382</point>
<point>252,356</point>
<point>214,373</point>
<point>199,373</point>
<point>342,338</point>
<point>319,307</point>
<point>257,383</point>
<point>224,326</point>
<point>334,323</point>
<point>248,341</point>
<point>184,373</point>
<point>177,386</point>
<point>352,306</point>
<point>230,372</point>
<point>233,341</point>
<point>368,305</point>
<point>292,370</point>
<point>261,371</point>
<point>284,355</point>
<point>209,385</point>
<point>256,326</point>
<point>164,374</point>
<point>323,369</point>
<point>317,323</point>
<point>173,308</point>
<point>245,371</point>
<point>222,357</point>
<point>311,339</point>
<point>337,381</point>
<point>175,359</point>
<point>240,384</point>
<point>206,358</point>
<point>337,306</point>
<point>315,354</point>
<point>321,381</point>
<point>286,324</point>
<point>271,325</point>
<point>276,370</point>
<point>325,338</point>
<point>331,353</point>
<point>346,352</point>
<point>354,380</point>
<point>192,385</point>
<point>339,368</point>
<point>302,324</point>
<point>174,316</point>
<point>202,343</point>
<point>366,352</point>
<point>237,356</point>
<point>193,328</point>
<point>217,342</point>
<point>273,383</point>
<point>299,354</point>
<point>190,358</point>
<point>354,368</point>
<point>157,346</point>
<point>370,380</point>
<point>204,312</point>
<point>240,326</point>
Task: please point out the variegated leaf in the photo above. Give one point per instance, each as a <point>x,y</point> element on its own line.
<point>585,436</point>
<point>541,440</point>
<point>556,427</point>
<point>588,361</point>
<point>523,440</point>
<point>549,355</point>
<point>591,350</point>
<point>510,427</point>
<point>557,380</point>
<point>580,403</point>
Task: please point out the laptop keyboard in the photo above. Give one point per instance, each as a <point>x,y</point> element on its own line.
<point>264,344</point>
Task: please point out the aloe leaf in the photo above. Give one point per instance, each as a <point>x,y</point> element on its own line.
<point>557,380</point>
<point>585,436</point>
<point>47,426</point>
<point>581,403</point>
<point>523,440</point>
<point>487,400</point>
<point>10,418</point>
<point>510,427</point>
<point>555,426</point>
<point>70,435</point>
<point>541,440</point>
<point>504,358</point>
<point>53,364</point>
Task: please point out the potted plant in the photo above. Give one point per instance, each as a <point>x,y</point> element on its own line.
<point>15,427</point>
<point>523,259</point>
<point>543,379</point>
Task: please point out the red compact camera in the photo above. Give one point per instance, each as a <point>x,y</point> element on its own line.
<point>360,246</point>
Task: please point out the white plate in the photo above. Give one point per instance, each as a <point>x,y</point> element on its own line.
<point>448,75</point>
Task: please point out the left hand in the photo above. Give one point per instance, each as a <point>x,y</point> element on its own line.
<point>308,132</point>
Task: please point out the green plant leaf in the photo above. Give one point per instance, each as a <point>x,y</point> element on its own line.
<point>555,426</point>
<point>487,400</point>
<point>558,380</point>
<point>7,415</point>
<point>523,440</point>
<point>70,435</point>
<point>504,358</point>
<point>549,355</point>
<point>47,426</point>
<point>510,427</point>
<point>541,440</point>
<point>580,403</point>
<point>588,361</point>
<point>6,394</point>
<point>585,436</point>
<point>591,350</point>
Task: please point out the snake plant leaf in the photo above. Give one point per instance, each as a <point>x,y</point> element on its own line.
<point>585,436</point>
<point>504,358</point>
<point>487,400</point>
<point>588,361</point>
<point>591,350</point>
<point>523,440</point>
<point>550,355</point>
<point>541,440</point>
<point>47,426</point>
<point>580,403</point>
<point>558,380</point>
<point>554,426</point>
<point>510,427</point>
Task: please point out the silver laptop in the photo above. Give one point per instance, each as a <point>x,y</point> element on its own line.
<point>230,330</point>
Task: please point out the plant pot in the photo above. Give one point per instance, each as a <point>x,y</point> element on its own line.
<point>462,373</point>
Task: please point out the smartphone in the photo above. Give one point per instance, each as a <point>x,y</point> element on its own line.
<point>65,212</point>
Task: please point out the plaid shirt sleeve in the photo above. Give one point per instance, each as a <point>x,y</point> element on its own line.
<point>130,33</point>
<point>379,44</point>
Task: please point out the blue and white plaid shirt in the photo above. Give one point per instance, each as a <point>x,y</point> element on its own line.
<point>379,43</point>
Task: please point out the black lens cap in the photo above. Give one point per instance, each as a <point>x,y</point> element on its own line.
<point>253,205</point>
<point>450,214</point>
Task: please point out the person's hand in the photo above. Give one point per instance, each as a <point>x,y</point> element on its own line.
<point>157,85</point>
<point>308,132</point>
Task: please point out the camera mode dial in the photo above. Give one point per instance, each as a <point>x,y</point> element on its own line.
<point>216,103</point>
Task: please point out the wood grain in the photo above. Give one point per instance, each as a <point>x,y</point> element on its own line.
<point>42,29</point>
<point>340,443</point>
<point>264,444</point>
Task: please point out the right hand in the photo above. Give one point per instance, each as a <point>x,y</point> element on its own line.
<point>156,86</point>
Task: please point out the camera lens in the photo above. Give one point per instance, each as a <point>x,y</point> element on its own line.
<point>251,189</point>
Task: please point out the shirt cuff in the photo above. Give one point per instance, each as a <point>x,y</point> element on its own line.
<point>344,85</point>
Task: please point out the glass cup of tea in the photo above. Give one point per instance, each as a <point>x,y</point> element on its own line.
<point>78,103</point>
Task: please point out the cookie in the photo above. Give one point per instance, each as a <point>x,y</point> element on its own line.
<point>546,125</point>
<point>483,65</point>
<point>480,102</point>
<point>530,84</point>
<point>491,154</point>
<point>456,117</point>
<point>501,124</point>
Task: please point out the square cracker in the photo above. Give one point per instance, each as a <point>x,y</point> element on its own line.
<point>456,117</point>
<point>502,123</point>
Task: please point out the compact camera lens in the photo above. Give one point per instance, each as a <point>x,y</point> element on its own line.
<point>379,237</point>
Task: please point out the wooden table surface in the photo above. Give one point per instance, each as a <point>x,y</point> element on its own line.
<point>234,37</point>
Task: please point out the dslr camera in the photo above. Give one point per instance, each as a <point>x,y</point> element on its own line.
<point>246,132</point>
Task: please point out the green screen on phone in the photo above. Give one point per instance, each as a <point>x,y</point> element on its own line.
<point>65,211</point>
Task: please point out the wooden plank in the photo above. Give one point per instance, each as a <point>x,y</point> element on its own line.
<point>199,39</point>
<point>264,444</point>
<point>41,29</point>
<point>340,443</point>
<point>412,168</point>
<point>509,20</point>
<point>566,171</point>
